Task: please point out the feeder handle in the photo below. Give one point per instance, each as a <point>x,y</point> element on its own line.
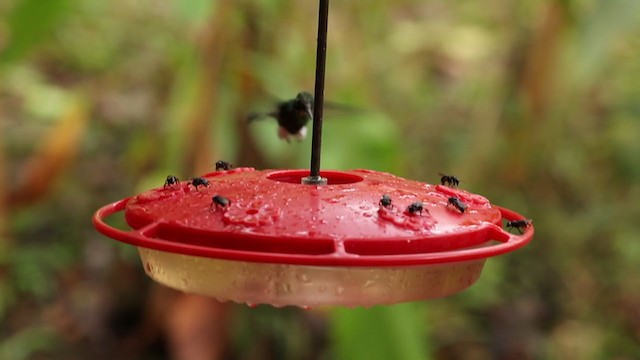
<point>104,228</point>
<point>136,237</point>
<point>509,241</point>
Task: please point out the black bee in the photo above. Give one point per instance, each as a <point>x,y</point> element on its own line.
<point>223,165</point>
<point>519,224</point>
<point>292,116</point>
<point>199,182</point>
<point>457,204</point>
<point>171,180</point>
<point>416,207</point>
<point>449,180</point>
<point>385,201</point>
<point>219,201</point>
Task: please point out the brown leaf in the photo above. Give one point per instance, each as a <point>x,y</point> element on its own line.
<point>542,57</point>
<point>5,242</point>
<point>196,327</point>
<point>56,152</point>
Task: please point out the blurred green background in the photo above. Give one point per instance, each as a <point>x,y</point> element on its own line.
<point>532,103</point>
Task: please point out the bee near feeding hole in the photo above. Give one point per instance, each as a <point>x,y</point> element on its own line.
<point>449,180</point>
<point>171,180</point>
<point>199,182</point>
<point>519,224</point>
<point>219,201</point>
<point>385,201</point>
<point>416,207</point>
<point>223,165</point>
<point>457,203</point>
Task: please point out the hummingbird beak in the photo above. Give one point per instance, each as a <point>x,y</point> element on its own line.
<point>309,112</point>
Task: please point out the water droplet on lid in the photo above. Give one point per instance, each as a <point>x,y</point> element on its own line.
<point>286,287</point>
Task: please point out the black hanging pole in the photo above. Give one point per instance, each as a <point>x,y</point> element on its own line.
<point>321,57</point>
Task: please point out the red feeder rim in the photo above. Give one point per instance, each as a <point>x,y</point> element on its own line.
<point>272,218</point>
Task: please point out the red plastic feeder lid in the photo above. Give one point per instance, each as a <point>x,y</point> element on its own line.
<point>271,217</point>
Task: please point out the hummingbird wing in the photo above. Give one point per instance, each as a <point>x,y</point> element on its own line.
<point>334,106</point>
<point>260,116</point>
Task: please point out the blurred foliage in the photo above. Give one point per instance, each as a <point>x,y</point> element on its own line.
<point>381,332</point>
<point>532,103</point>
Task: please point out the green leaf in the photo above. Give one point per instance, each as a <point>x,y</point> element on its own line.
<point>381,332</point>
<point>24,344</point>
<point>30,23</point>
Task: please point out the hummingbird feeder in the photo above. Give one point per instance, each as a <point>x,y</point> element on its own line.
<point>312,237</point>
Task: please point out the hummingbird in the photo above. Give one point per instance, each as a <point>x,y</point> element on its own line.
<point>292,116</point>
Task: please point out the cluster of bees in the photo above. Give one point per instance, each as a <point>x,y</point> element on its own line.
<point>217,200</point>
<point>454,202</point>
<point>417,207</point>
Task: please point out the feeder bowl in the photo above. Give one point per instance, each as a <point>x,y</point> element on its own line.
<point>280,242</point>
